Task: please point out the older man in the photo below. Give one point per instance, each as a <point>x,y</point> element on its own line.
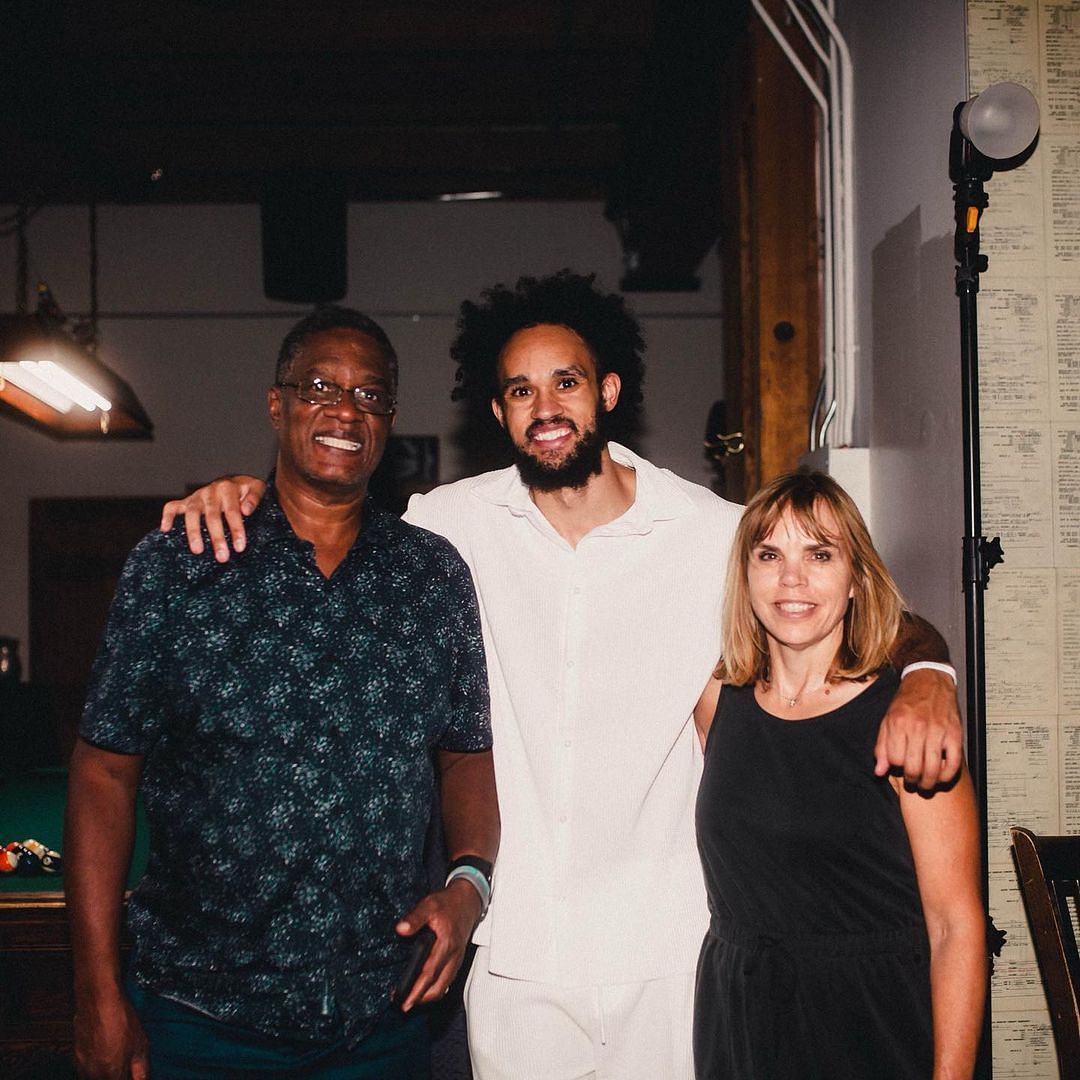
<point>600,579</point>
<point>281,715</point>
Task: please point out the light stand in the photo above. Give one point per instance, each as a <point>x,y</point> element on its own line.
<point>990,131</point>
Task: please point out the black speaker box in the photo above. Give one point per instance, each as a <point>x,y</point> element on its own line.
<point>304,239</point>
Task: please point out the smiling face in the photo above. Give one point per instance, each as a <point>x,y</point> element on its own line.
<point>550,401</point>
<point>332,448</point>
<point>800,585</point>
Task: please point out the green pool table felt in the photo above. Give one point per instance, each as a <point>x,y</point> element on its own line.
<point>32,807</point>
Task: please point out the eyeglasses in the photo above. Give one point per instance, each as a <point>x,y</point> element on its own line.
<point>369,399</point>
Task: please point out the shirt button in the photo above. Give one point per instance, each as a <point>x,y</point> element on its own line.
<point>577,590</point>
<point>568,743</point>
<point>562,819</point>
<point>569,664</point>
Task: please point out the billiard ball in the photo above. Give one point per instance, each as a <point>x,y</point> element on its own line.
<point>29,857</point>
<point>29,863</point>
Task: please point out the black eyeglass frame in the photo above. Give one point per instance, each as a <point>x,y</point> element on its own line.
<point>359,403</point>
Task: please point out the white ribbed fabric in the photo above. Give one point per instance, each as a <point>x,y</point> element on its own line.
<point>521,1030</point>
<point>596,657</point>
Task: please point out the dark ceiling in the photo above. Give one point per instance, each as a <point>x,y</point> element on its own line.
<point>207,100</point>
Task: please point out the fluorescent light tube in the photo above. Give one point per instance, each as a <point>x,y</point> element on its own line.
<point>25,379</point>
<point>61,379</point>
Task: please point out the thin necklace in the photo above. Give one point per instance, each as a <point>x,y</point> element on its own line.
<point>793,701</point>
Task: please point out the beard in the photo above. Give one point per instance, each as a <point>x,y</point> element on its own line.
<point>574,471</point>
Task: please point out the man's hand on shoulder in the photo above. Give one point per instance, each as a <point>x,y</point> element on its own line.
<point>922,733</point>
<point>223,502</point>
<point>452,913</point>
<point>109,1041</point>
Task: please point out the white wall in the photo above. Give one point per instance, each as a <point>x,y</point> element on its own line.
<point>910,71</point>
<point>185,322</point>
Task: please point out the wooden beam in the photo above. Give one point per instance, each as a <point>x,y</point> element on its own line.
<point>771,252</point>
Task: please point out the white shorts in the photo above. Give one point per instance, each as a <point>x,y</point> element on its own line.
<point>521,1030</point>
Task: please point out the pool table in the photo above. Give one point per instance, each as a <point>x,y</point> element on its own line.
<point>35,953</point>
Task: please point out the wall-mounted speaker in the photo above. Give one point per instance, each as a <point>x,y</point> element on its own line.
<point>304,232</point>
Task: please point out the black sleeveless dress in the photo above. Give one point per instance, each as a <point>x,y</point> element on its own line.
<point>816,964</point>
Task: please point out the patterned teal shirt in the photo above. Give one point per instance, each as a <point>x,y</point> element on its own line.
<point>288,723</point>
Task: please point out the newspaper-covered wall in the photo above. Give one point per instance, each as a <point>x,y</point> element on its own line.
<point>1029,399</point>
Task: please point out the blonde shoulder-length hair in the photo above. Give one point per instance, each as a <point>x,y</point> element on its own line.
<point>876,607</point>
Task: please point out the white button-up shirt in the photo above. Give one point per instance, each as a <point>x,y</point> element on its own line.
<point>596,656</point>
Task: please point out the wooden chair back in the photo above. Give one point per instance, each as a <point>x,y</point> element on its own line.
<point>1049,870</point>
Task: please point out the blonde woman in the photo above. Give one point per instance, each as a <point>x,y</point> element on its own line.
<point>847,936</point>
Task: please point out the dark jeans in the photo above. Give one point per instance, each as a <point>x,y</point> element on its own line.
<point>188,1045</point>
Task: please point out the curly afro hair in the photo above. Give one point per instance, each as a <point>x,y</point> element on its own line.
<point>567,299</point>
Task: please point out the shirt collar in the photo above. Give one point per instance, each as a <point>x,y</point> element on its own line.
<point>658,496</point>
<point>268,523</point>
